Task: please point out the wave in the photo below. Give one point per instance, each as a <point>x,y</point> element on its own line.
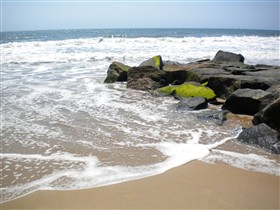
<point>132,50</point>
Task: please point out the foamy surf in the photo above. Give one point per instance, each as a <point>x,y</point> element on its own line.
<point>64,129</point>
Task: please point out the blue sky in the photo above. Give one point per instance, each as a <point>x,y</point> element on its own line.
<point>19,15</point>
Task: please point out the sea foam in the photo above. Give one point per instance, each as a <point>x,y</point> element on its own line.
<point>65,129</point>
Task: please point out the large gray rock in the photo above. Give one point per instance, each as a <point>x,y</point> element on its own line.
<point>247,101</point>
<point>223,56</point>
<point>117,72</point>
<point>270,115</point>
<point>262,136</point>
<point>146,78</point>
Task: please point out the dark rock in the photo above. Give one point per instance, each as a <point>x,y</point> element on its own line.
<point>195,103</point>
<point>216,115</point>
<point>250,81</point>
<point>263,136</point>
<point>223,56</point>
<point>270,115</point>
<point>177,77</point>
<point>247,79</point>
<point>247,101</point>
<point>181,76</point>
<point>146,78</point>
<point>117,72</point>
<point>205,73</point>
<point>155,62</point>
<point>223,86</point>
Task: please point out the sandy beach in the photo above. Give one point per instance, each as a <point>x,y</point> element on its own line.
<point>196,185</point>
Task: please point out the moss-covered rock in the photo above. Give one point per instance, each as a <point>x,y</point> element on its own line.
<point>155,62</point>
<point>188,90</point>
<point>117,72</point>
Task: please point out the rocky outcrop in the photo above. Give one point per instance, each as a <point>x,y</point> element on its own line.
<point>146,78</point>
<point>262,136</point>
<point>117,72</point>
<point>247,101</point>
<point>247,89</point>
<point>223,56</point>
<point>194,103</point>
<point>270,115</point>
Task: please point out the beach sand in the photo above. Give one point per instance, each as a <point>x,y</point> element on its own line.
<point>196,185</point>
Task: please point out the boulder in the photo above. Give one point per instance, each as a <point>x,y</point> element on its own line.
<point>194,103</point>
<point>155,62</point>
<point>270,115</point>
<point>187,90</point>
<point>263,136</point>
<point>223,56</point>
<point>247,101</point>
<point>146,78</point>
<point>117,72</point>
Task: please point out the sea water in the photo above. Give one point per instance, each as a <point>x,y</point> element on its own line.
<point>62,128</point>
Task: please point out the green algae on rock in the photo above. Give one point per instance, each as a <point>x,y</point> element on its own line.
<point>117,72</point>
<point>155,62</point>
<point>188,90</point>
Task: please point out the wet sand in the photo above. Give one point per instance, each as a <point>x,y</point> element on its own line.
<point>195,185</point>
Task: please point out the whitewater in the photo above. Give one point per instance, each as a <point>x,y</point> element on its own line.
<point>62,128</point>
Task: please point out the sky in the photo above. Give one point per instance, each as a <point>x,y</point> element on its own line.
<point>19,15</point>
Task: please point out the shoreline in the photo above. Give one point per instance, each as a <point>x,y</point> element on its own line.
<point>193,185</point>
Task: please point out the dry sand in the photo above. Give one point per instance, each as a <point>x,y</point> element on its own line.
<point>196,185</point>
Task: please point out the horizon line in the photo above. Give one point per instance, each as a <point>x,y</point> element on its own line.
<point>122,28</point>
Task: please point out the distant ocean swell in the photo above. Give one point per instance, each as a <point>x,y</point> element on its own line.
<point>132,50</point>
<point>63,128</point>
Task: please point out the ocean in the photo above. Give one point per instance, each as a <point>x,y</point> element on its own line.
<point>62,128</point>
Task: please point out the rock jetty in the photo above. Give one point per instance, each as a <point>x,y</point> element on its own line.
<point>246,89</point>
